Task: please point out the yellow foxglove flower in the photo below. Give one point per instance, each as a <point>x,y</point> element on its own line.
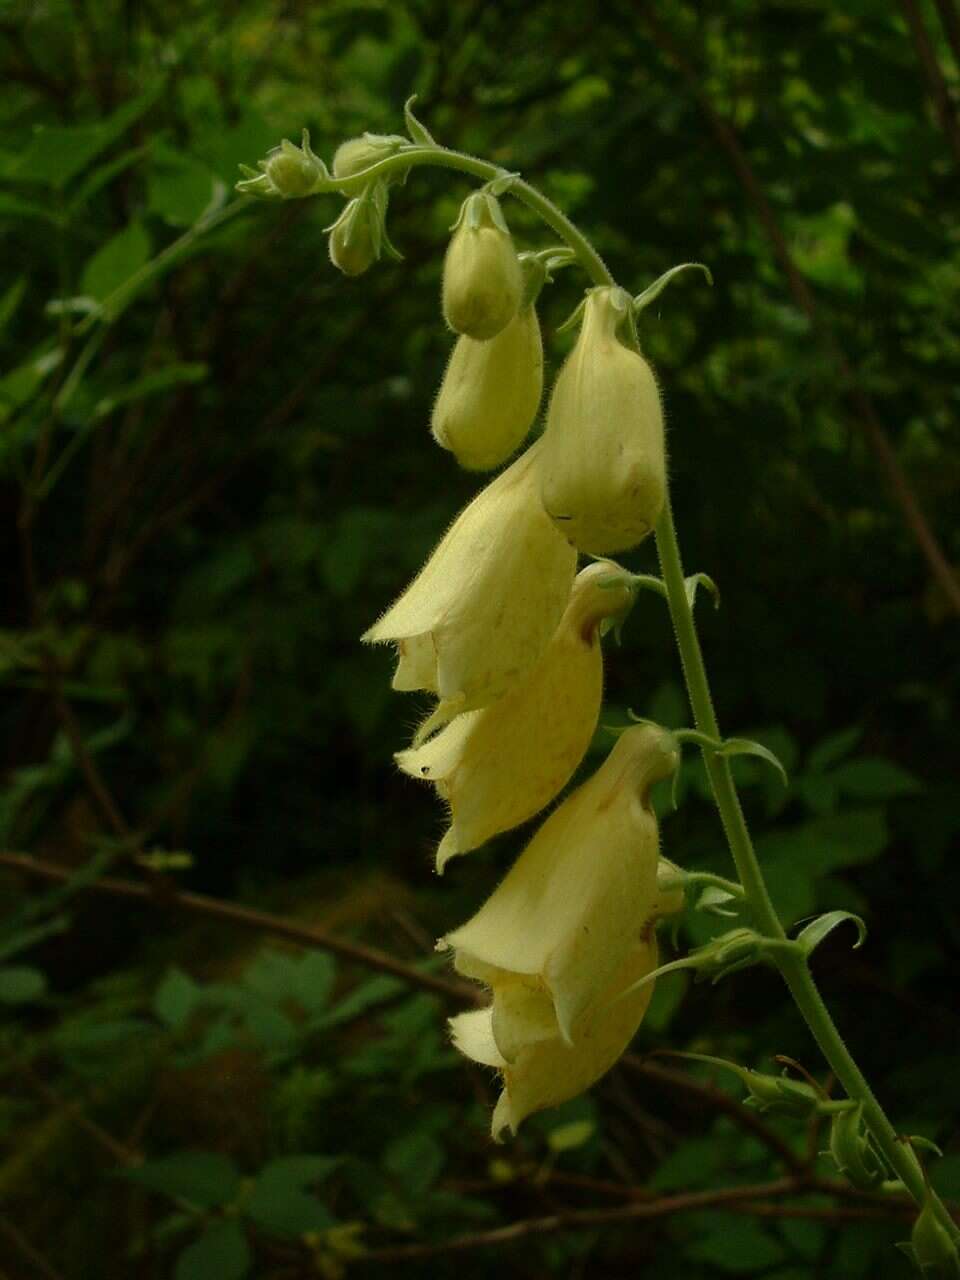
<point>490,394</point>
<point>547,1072</point>
<point>604,470</point>
<point>480,612</point>
<point>556,931</point>
<point>499,766</point>
<point>482,278</point>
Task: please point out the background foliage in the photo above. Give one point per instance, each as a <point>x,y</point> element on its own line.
<point>211,484</point>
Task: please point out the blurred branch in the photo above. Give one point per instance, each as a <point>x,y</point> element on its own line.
<point>26,1250</point>
<point>249,918</point>
<point>719,1100</point>
<point>933,75</point>
<point>867,419</point>
<point>759,1199</point>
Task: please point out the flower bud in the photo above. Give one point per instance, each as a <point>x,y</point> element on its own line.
<point>292,171</point>
<point>490,394</point>
<point>557,930</point>
<point>604,471</point>
<point>499,766</point>
<point>480,612</point>
<point>547,1072</point>
<point>357,154</point>
<point>934,1251</point>
<point>482,279</point>
<point>353,241</point>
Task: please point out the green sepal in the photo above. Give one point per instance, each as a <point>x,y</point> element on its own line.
<point>701,580</point>
<point>714,900</point>
<point>654,290</point>
<point>732,747</point>
<point>418,132</point>
<point>500,185</point>
<point>810,937</point>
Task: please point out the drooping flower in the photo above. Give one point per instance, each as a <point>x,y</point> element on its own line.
<point>604,469</point>
<point>548,1071</point>
<point>558,928</point>
<point>480,612</point>
<point>482,279</point>
<point>499,766</point>
<point>490,393</point>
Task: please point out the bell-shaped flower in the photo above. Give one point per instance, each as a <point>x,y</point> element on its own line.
<point>490,394</point>
<point>548,1071</point>
<point>556,931</point>
<point>482,609</point>
<point>604,471</point>
<point>482,278</point>
<point>499,766</point>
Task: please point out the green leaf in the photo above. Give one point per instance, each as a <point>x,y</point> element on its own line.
<point>814,933</point>
<point>176,998</point>
<point>568,1137</point>
<point>744,747</point>
<point>279,1202</point>
<point>20,985</point>
<point>833,748</point>
<point>151,384</point>
<point>11,300</point>
<point>873,778</point>
<point>738,1245</point>
<point>116,261</point>
<point>57,153</point>
<point>23,939</point>
<point>179,187</point>
<point>418,132</point>
<point>205,1178</point>
<point>415,1160</point>
<point>701,580</point>
<point>221,1253</point>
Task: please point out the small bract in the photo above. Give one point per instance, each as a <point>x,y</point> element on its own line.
<point>604,468</point>
<point>499,766</point>
<point>482,609</point>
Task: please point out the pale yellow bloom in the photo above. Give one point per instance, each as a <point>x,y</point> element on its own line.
<point>482,278</point>
<point>490,394</point>
<point>604,470</point>
<point>499,766</point>
<point>547,1071</point>
<point>482,609</point>
<point>556,931</point>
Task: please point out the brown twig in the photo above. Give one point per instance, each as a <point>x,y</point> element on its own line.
<point>28,1250</point>
<point>933,75</point>
<point>866,419</point>
<point>249,918</point>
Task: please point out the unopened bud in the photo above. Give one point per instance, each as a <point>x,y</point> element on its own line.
<point>482,279</point>
<point>352,241</point>
<point>490,394</point>
<point>357,154</point>
<point>604,471</point>
<point>934,1251</point>
<point>291,170</point>
<point>852,1150</point>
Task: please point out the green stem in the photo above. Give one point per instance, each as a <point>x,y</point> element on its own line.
<point>792,965</point>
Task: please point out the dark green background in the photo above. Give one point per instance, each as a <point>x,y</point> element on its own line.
<point>244,479</point>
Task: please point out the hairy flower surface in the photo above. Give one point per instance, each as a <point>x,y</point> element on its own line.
<point>482,278</point>
<point>499,766</point>
<point>549,1071</point>
<point>482,609</point>
<point>604,470</point>
<point>490,394</point>
<point>556,931</point>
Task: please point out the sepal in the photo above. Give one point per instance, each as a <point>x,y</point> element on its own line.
<point>654,290</point>
<point>814,933</point>
<point>419,133</point>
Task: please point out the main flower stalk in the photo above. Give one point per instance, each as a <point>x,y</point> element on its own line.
<point>791,961</point>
